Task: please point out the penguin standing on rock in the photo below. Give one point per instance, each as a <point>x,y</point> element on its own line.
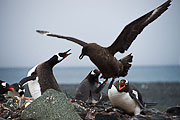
<point>88,90</point>
<point>45,78</point>
<point>125,96</point>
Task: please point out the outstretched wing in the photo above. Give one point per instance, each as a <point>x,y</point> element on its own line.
<point>63,37</point>
<point>130,32</point>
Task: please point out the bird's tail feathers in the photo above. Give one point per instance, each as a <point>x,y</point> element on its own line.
<point>126,64</point>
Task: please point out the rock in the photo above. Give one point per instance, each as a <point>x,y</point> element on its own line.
<point>112,116</point>
<point>82,111</point>
<point>105,111</point>
<point>174,110</point>
<point>52,105</point>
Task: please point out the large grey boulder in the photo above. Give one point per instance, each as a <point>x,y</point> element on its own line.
<point>52,105</point>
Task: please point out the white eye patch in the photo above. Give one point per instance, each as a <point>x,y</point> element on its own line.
<point>59,57</point>
<point>21,90</point>
<point>126,82</point>
<point>4,84</point>
<point>93,73</point>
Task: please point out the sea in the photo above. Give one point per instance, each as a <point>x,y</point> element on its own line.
<point>74,75</point>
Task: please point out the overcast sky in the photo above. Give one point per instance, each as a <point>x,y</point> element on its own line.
<point>98,21</point>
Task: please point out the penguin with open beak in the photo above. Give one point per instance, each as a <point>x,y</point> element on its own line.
<point>45,78</point>
<point>125,96</point>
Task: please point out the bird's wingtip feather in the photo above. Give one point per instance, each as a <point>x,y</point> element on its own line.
<point>42,32</point>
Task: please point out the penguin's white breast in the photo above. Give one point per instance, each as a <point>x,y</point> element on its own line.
<point>33,85</point>
<point>122,100</point>
<point>34,88</point>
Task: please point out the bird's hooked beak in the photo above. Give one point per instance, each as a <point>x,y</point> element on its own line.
<point>67,53</point>
<point>121,86</point>
<point>81,56</point>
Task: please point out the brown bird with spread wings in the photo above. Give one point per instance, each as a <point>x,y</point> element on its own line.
<point>103,57</point>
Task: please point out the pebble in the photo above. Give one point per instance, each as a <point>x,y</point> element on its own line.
<point>13,107</point>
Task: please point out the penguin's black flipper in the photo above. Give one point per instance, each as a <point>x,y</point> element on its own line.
<point>26,79</point>
<point>135,97</point>
<point>111,83</point>
<point>101,86</point>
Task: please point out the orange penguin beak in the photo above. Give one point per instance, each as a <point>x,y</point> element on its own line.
<point>121,85</point>
<point>11,89</point>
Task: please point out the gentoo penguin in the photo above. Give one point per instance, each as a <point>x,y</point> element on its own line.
<point>45,78</point>
<point>19,89</point>
<point>87,88</point>
<point>5,87</point>
<point>103,57</point>
<point>125,96</point>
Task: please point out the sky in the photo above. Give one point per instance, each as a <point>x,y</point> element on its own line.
<point>99,21</point>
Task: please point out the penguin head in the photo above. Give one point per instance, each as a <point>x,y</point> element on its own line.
<point>5,87</point>
<point>93,75</point>
<point>18,88</point>
<point>122,85</point>
<point>95,72</point>
<point>21,91</point>
<point>60,56</point>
